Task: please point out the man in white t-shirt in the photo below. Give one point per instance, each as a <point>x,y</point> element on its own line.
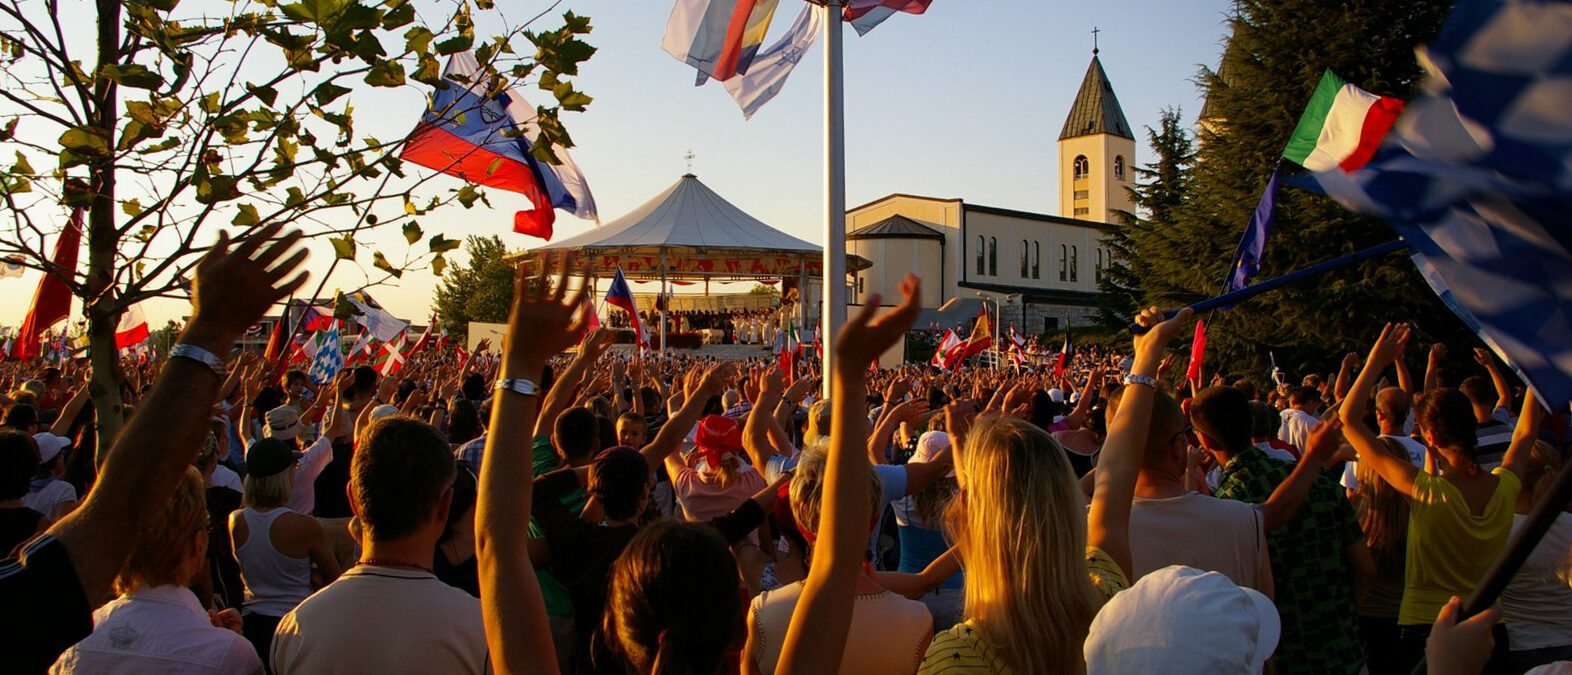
<point>1299,419</point>
<point>390,613</point>
<point>1392,405</point>
<point>1171,525</point>
<point>48,493</point>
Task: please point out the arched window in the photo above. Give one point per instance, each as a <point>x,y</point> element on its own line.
<point>1023,259</point>
<point>1064,262</point>
<point>993,256</point>
<point>1082,167</point>
<point>980,245</point>
<point>1037,260</point>
<point>1118,167</point>
<point>1075,264</point>
<point>1098,272</point>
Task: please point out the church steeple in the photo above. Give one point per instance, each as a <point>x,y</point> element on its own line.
<point>1096,152</point>
<point>1096,110</point>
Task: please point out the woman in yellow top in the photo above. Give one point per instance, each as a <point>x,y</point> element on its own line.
<point>1460,516</point>
<point>1027,540</point>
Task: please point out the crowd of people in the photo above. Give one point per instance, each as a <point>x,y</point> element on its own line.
<point>742,326</point>
<point>556,508</point>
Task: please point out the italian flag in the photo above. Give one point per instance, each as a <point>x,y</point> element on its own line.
<point>1342,126</point>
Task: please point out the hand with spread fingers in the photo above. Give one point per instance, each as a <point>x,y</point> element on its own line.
<point>865,337</point>
<point>235,286</point>
<point>541,324</point>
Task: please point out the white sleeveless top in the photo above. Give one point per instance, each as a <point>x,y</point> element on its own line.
<point>889,633</point>
<point>274,582</point>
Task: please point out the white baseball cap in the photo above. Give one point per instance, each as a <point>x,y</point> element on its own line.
<point>384,410</point>
<point>1179,620</point>
<point>929,445</point>
<point>50,446</point>
<point>1056,394</point>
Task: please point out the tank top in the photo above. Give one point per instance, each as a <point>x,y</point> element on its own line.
<point>275,582</point>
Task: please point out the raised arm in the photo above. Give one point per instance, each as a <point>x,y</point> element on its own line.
<point>1083,406</point>
<point>676,429</point>
<point>561,395</point>
<point>1503,389</point>
<point>1108,522</point>
<point>1320,449</point>
<point>905,412</point>
<point>232,290</point>
<point>69,411</point>
<point>1524,436</point>
<point>1399,473</point>
<point>1345,376</point>
<point>1433,367</point>
<point>755,433</point>
<point>816,637</point>
<point>540,325</point>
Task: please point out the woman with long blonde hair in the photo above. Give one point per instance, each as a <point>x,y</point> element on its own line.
<point>1038,564</point>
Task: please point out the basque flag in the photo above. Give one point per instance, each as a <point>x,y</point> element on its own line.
<point>486,141</point>
<point>619,295</point>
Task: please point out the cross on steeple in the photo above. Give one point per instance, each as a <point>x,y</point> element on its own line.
<point>688,157</point>
<point>1095,31</point>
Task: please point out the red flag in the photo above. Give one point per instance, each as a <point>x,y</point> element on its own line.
<point>1064,352</point>
<point>52,300</point>
<point>278,342</point>
<point>981,338</point>
<point>425,339</point>
<point>1197,351</point>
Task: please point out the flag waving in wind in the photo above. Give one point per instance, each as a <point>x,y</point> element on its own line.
<point>865,14</point>
<point>52,300</point>
<point>948,345</point>
<point>486,140</point>
<point>619,295</point>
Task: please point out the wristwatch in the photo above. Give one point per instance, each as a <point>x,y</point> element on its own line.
<point>202,356</point>
<point>519,386</point>
<point>1135,378</point>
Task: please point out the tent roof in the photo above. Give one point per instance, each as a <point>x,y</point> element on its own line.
<point>687,215</point>
<point>896,227</point>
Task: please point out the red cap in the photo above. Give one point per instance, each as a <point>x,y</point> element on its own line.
<point>716,436</point>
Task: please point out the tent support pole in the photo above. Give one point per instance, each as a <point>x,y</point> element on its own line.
<point>658,295</point>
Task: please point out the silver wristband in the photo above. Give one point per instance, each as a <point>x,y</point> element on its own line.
<point>202,356</point>
<point>519,386</point>
<point>1147,380</point>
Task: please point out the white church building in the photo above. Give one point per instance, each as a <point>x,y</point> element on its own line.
<point>1042,270</point>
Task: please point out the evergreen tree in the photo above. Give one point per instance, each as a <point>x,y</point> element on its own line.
<point>479,291</point>
<point>1275,56</point>
<point>1159,191</point>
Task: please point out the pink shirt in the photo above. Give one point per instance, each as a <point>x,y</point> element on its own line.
<point>702,502</point>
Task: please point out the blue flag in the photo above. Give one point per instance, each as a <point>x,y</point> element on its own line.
<point>1477,179</point>
<point>329,358</point>
<point>1247,258</point>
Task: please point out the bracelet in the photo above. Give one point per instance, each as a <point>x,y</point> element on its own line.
<point>519,386</point>
<point>1135,378</point>
<point>202,356</point>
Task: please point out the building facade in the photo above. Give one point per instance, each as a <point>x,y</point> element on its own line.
<point>1042,270</point>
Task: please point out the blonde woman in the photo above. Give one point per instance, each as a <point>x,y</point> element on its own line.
<point>157,625</point>
<point>275,546</point>
<point>1038,564</point>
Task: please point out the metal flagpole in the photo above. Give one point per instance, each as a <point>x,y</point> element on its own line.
<point>833,306</point>
<point>662,305</point>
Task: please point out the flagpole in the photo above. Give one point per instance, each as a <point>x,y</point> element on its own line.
<point>833,307</point>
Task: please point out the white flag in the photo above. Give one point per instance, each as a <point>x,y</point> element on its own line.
<point>771,67</point>
<point>379,322</point>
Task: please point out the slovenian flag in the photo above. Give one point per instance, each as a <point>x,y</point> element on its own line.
<point>486,140</point>
<point>865,14</point>
<point>619,295</point>
<point>1342,127</point>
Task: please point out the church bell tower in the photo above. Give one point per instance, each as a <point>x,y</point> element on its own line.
<point>1096,152</point>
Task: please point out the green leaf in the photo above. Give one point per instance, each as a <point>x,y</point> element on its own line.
<point>266,94</point>
<point>247,216</point>
<point>131,207</point>
<point>440,244</point>
<point>131,75</point>
<point>493,166</point>
<point>401,15</point>
<point>386,73</point>
<point>455,44</point>
<point>327,92</point>
<point>576,24</point>
<point>418,39</point>
<point>438,265</point>
<point>210,103</point>
<point>22,166</point>
<point>343,248</point>
<point>467,195</point>
<point>412,231</point>
<point>429,71</point>
<point>381,263</point>
<point>9,129</point>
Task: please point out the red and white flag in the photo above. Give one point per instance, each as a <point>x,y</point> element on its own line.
<point>132,329</point>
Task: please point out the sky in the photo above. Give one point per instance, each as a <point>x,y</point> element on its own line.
<point>964,101</point>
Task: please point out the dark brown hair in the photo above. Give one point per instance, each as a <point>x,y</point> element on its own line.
<point>401,469</point>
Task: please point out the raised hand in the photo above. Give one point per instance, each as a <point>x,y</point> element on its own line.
<point>1159,332</point>
<point>1437,352</point>
<point>233,288</point>
<point>865,337</point>
<point>1325,442</point>
<point>540,325</point>
<point>1387,347</point>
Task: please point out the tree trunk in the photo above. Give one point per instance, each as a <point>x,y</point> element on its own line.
<point>102,306</point>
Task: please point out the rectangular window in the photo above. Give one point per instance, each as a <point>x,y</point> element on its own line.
<point>1083,194</point>
<point>1082,211</point>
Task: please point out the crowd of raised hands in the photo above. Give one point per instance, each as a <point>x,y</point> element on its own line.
<point>781,466</point>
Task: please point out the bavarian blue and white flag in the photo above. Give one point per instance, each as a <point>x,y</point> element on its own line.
<point>1476,177</point>
<point>329,358</point>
